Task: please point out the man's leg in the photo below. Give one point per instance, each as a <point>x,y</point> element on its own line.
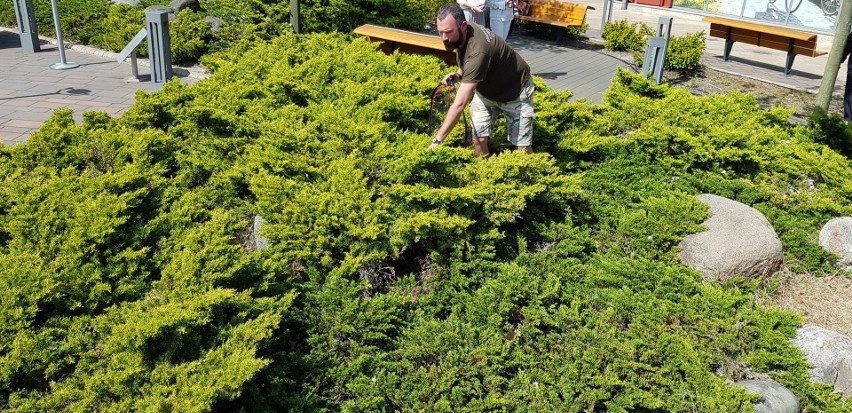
<point>519,119</point>
<point>480,120</point>
<point>480,145</point>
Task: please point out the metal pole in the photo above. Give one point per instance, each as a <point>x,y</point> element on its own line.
<point>294,16</point>
<point>62,63</point>
<point>134,68</point>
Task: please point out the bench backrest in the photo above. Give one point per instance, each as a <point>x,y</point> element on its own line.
<point>762,28</point>
<point>573,14</point>
<point>406,41</point>
<point>373,33</point>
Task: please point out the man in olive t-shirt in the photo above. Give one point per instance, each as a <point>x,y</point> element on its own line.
<point>494,78</point>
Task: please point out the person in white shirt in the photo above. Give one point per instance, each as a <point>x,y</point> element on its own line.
<point>474,11</point>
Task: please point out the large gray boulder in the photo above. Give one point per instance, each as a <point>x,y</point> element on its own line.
<point>830,355</point>
<point>739,241</point>
<point>260,241</point>
<point>178,5</point>
<point>250,236</point>
<point>774,398</point>
<point>836,236</point>
<point>135,3</point>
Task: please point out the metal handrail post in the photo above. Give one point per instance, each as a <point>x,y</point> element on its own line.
<point>63,64</point>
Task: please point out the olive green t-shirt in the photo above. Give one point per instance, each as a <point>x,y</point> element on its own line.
<point>497,68</point>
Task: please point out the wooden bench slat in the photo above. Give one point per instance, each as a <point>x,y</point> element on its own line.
<point>406,41</point>
<point>763,28</point>
<point>556,13</point>
<point>400,36</point>
<point>545,21</point>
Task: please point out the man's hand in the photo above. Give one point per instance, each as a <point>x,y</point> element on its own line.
<point>435,143</point>
<point>450,79</point>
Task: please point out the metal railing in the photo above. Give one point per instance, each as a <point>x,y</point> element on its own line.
<point>156,30</point>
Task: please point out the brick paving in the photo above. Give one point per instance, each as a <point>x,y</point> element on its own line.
<point>30,90</point>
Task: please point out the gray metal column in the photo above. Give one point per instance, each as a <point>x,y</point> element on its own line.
<point>159,43</point>
<point>27,30</point>
<point>655,50</point>
<point>294,16</point>
<point>606,16</point>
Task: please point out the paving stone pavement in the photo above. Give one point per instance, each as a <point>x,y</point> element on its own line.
<point>30,90</point>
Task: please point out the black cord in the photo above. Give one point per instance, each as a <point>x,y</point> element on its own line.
<point>467,140</point>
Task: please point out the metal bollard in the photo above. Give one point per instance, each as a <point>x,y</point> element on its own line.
<point>655,50</point>
<point>27,30</point>
<point>159,44</point>
<point>606,16</point>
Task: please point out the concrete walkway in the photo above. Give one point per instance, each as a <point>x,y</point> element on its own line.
<point>30,90</point>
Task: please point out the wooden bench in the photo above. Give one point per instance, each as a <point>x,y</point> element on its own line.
<point>794,42</point>
<point>556,13</point>
<point>406,41</point>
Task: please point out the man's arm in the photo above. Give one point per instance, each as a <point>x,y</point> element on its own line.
<point>463,95</point>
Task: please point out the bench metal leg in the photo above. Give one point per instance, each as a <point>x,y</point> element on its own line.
<point>728,44</point>
<point>790,56</point>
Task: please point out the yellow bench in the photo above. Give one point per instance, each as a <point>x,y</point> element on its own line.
<point>406,41</point>
<point>556,13</point>
<point>794,42</point>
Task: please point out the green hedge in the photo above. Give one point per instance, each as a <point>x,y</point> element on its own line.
<point>100,23</point>
<point>396,278</point>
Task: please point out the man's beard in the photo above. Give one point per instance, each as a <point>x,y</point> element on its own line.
<point>450,46</point>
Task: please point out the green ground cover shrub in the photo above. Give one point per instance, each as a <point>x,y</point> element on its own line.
<point>111,26</point>
<point>623,36</point>
<point>80,19</point>
<point>396,278</point>
<point>684,52</point>
<point>121,23</point>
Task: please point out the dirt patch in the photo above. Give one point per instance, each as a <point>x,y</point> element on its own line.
<point>824,301</point>
<point>768,95</point>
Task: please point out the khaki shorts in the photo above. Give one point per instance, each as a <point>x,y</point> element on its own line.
<point>519,116</point>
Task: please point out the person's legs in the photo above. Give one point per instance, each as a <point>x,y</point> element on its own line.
<point>468,14</point>
<point>481,115</point>
<point>480,145</point>
<point>519,115</point>
<point>501,21</point>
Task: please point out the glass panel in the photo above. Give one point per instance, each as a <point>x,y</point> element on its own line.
<point>807,14</point>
